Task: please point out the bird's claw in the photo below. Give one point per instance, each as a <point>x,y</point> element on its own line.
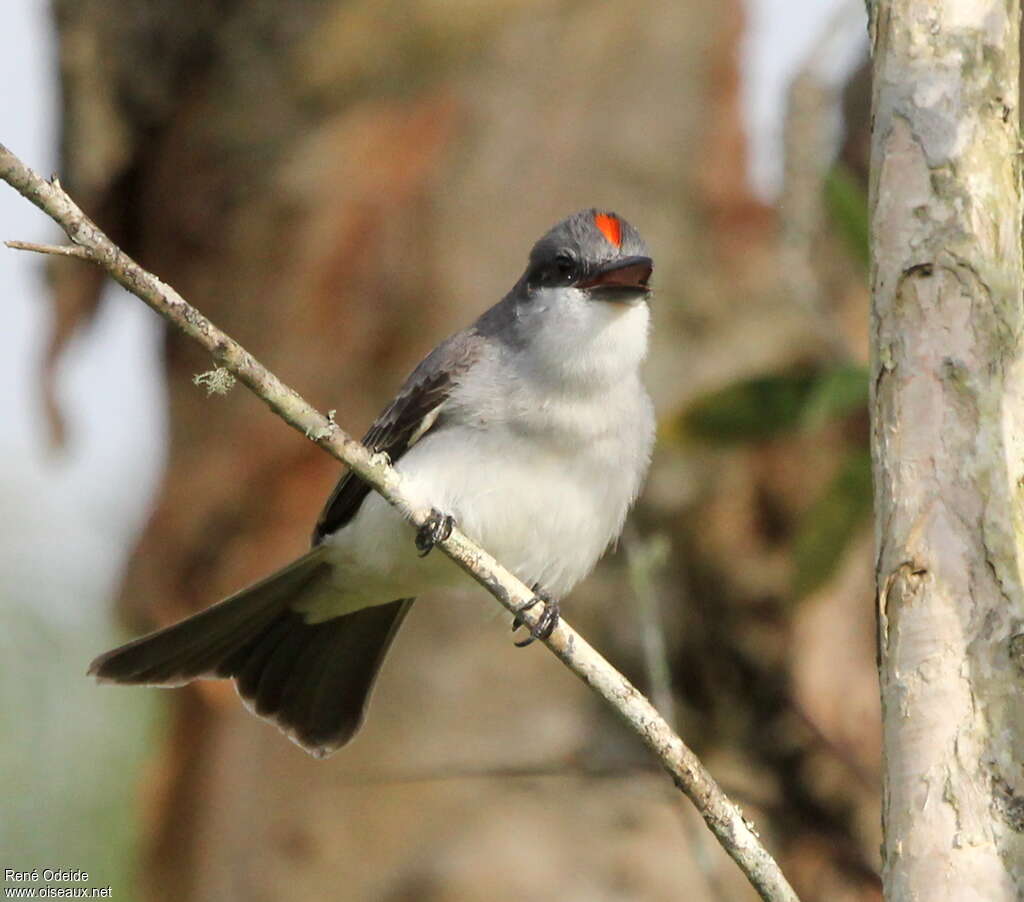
<point>436,528</point>
<point>546,622</point>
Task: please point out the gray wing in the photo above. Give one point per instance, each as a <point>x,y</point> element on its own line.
<point>413,413</point>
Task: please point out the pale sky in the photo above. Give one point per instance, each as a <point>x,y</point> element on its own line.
<point>780,36</point>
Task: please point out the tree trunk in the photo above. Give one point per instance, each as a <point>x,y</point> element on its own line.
<point>948,440</point>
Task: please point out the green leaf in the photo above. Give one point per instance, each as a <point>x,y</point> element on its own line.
<point>837,393</point>
<point>751,410</point>
<point>768,406</point>
<point>831,522</point>
<point>847,205</point>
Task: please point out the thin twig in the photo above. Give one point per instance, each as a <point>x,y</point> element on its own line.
<point>645,559</point>
<point>722,816</point>
<point>58,250</point>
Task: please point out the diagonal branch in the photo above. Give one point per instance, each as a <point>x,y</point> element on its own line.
<point>724,818</point>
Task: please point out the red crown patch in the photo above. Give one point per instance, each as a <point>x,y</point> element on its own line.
<point>610,227</point>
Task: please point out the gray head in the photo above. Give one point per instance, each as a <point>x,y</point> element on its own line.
<point>578,314</point>
<point>593,251</point>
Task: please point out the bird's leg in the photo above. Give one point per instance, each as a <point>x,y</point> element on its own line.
<point>547,621</point>
<point>436,528</point>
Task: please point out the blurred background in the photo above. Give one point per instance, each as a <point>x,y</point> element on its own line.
<point>339,184</point>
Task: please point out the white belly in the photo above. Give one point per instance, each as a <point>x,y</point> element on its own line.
<point>545,516</point>
<point>547,513</point>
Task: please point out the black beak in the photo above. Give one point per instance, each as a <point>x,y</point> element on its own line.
<point>619,280</point>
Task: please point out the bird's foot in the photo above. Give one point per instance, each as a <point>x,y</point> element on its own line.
<point>436,528</point>
<point>545,624</point>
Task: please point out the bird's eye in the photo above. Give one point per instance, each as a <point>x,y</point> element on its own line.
<point>565,267</point>
<point>562,270</point>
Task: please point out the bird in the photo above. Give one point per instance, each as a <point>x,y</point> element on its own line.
<point>531,430</point>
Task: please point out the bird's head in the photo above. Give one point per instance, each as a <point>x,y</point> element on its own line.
<point>580,306</point>
<point>595,253</point>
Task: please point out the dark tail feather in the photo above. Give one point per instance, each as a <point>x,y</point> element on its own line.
<point>311,679</point>
<point>314,679</point>
<point>196,646</point>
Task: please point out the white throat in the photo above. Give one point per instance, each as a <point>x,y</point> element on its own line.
<point>582,345</point>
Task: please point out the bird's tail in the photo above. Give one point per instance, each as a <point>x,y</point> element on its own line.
<point>311,679</point>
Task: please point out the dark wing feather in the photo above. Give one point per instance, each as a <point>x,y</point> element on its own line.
<point>401,423</point>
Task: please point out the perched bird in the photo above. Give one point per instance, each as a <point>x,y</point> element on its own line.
<point>531,430</point>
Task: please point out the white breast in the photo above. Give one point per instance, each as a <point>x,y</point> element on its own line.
<point>544,459</point>
<point>537,464</point>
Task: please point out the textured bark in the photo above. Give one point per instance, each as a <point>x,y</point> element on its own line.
<point>948,439</point>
